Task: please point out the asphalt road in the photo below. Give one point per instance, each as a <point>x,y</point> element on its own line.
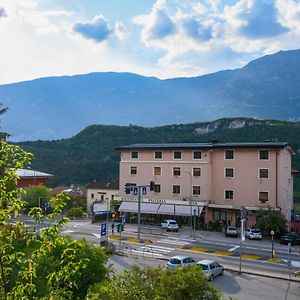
<point>256,255</point>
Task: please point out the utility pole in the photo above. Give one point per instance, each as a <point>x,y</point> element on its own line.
<point>128,188</point>
<point>191,200</point>
<point>242,209</point>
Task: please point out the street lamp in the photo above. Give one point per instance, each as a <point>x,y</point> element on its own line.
<point>191,200</point>
<point>272,235</point>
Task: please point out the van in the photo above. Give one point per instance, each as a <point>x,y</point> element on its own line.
<point>169,225</point>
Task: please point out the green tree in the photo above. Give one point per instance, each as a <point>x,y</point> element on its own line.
<point>270,219</point>
<point>156,284</point>
<point>44,266</point>
<point>36,195</point>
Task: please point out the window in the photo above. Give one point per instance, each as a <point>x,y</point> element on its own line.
<point>228,194</point>
<point>157,171</point>
<point>263,197</point>
<point>158,154</point>
<point>176,171</point>
<point>197,172</point>
<point>229,154</point>
<point>134,154</point>
<point>176,189</point>
<point>177,154</point>
<point>229,172</point>
<point>92,196</point>
<point>196,190</point>
<point>263,154</point>
<point>157,188</point>
<point>263,173</point>
<point>133,170</point>
<point>197,154</point>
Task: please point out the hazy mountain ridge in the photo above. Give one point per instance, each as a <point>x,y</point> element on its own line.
<point>58,107</point>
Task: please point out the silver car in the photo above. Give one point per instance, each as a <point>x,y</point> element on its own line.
<point>180,261</point>
<point>253,233</point>
<point>210,268</point>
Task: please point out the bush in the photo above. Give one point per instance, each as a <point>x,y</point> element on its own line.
<point>154,284</point>
<point>75,212</point>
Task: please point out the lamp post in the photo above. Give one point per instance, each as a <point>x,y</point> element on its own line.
<point>191,200</point>
<point>107,208</point>
<point>272,235</point>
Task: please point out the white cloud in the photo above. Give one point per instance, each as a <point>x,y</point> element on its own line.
<point>121,31</point>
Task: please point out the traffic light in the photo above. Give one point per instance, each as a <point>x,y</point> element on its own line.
<point>128,187</point>
<point>120,227</point>
<point>152,185</point>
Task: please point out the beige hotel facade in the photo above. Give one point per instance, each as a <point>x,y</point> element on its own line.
<point>210,180</point>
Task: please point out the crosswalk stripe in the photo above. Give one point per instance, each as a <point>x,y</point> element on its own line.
<point>166,241</point>
<point>234,248</point>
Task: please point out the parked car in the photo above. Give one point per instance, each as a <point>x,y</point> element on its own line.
<point>292,238</point>
<point>180,261</point>
<point>231,231</point>
<point>169,225</point>
<point>211,268</point>
<point>253,234</point>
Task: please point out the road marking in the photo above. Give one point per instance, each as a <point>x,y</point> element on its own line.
<point>181,239</point>
<point>273,260</point>
<point>168,241</point>
<point>294,263</point>
<point>234,248</point>
<point>96,235</point>
<point>67,231</point>
<point>160,247</point>
<point>253,257</point>
<point>222,253</point>
<point>197,249</point>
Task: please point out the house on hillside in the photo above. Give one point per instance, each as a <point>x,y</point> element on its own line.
<point>212,182</point>
<point>103,192</point>
<point>74,190</point>
<point>28,177</point>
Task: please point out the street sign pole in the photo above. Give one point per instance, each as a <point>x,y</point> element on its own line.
<point>242,236</point>
<point>139,212</point>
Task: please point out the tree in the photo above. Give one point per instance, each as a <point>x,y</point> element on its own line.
<point>156,284</point>
<point>269,219</point>
<point>44,265</point>
<point>36,195</point>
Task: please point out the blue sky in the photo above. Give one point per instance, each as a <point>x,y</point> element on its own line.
<point>162,38</point>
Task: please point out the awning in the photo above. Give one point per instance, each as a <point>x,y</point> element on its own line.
<point>146,208</point>
<point>166,209</point>
<point>185,210</point>
<point>161,209</point>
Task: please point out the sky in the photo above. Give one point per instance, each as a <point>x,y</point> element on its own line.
<point>162,38</point>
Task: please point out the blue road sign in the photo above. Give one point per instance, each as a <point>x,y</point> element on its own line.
<point>124,219</point>
<point>144,190</point>
<point>103,229</point>
<point>135,191</point>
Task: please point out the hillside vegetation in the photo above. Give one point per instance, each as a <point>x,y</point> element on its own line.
<point>91,153</point>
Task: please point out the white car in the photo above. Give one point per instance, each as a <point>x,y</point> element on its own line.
<point>169,225</point>
<point>253,233</point>
<point>210,268</point>
<point>180,261</point>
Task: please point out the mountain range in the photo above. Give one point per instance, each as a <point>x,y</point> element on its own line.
<point>59,107</point>
<point>91,154</point>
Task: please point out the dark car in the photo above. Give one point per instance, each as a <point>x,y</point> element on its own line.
<point>294,239</point>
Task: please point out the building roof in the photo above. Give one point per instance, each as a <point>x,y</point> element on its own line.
<point>32,173</point>
<point>213,145</point>
<point>100,185</point>
<point>76,191</point>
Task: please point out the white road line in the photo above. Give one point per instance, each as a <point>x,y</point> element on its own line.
<point>147,253</point>
<point>160,247</point>
<point>166,241</point>
<point>234,248</point>
<point>96,235</point>
<point>67,231</point>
